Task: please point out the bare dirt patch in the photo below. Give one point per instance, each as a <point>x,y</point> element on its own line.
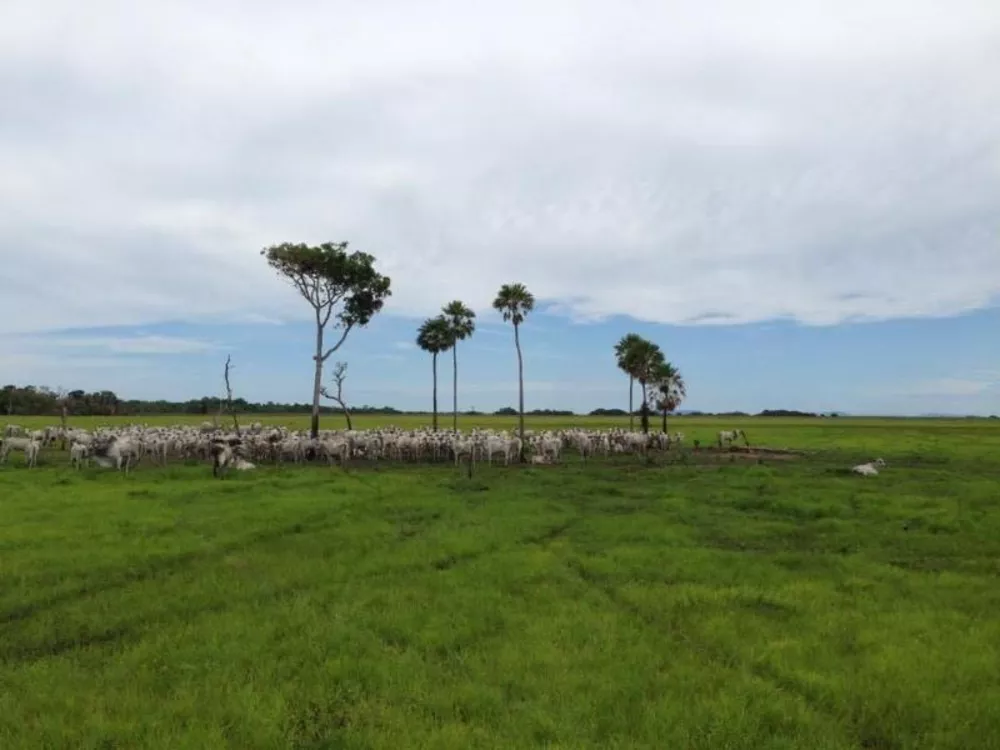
<point>747,454</point>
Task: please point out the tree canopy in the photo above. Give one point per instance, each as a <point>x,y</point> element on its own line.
<point>434,335</point>
<point>669,388</point>
<point>643,359</point>
<point>514,302</point>
<point>327,276</point>
<point>624,351</point>
<point>461,320</point>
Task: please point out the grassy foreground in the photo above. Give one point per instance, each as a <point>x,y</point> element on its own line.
<point>690,605</point>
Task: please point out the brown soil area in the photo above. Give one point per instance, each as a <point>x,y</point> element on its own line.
<point>748,454</point>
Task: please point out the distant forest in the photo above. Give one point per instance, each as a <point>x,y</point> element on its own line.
<point>32,400</point>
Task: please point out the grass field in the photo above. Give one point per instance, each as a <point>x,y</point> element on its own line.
<point>689,604</point>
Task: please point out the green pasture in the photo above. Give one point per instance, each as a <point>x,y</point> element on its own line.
<point>695,601</point>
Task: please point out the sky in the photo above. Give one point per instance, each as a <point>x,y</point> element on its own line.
<point>800,201</point>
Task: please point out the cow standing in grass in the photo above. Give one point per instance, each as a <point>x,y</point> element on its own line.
<point>28,446</point>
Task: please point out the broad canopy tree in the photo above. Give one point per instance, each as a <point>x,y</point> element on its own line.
<point>514,302</point>
<point>434,337</point>
<point>341,287</point>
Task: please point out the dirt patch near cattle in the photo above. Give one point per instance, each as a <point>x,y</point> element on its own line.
<point>746,454</point>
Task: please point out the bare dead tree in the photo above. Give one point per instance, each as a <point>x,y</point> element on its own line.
<point>229,396</point>
<point>339,376</point>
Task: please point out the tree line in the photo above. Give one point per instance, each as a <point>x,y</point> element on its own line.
<point>30,400</point>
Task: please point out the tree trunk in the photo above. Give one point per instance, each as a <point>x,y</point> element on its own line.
<point>229,396</point>
<point>645,410</point>
<point>347,414</point>
<point>317,382</point>
<point>454,387</point>
<point>434,370</point>
<point>631,409</point>
<point>520,390</point>
<point>664,421</point>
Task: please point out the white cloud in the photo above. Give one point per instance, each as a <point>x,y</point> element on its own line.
<point>134,345</point>
<point>663,160</point>
<point>20,362</point>
<point>57,371</point>
<point>948,388</point>
<point>404,346</point>
<point>92,360</point>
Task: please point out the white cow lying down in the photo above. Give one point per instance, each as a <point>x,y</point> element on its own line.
<point>869,469</point>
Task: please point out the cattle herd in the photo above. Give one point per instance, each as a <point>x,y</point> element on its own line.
<point>124,447</point>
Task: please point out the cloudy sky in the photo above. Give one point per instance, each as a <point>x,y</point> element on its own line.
<point>799,201</point>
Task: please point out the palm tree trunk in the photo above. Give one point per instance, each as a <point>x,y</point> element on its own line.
<point>631,409</point>
<point>434,369</point>
<point>664,421</point>
<point>520,390</point>
<point>645,410</point>
<point>454,387</point>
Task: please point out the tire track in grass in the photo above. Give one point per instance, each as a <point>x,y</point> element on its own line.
<point>708,651</point>
<point>164,566</point>
<point>131,632</point>
<point>121,635</point>
<point>542,537</point>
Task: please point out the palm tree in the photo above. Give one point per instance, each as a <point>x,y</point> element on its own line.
<point>669,390</point>
<point>434,337</point>
<point>514,302</point>
<point>461,324</point>
<point>644,361</point>
<point>622,352</point>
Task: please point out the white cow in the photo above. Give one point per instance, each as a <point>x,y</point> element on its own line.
<point>79,455</point>
<point>728,436</point>
<point>122,454</point>
<point>28,446</point>
<point>869,469</point>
